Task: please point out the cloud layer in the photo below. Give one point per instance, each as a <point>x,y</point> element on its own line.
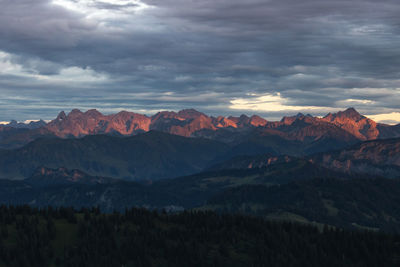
<point>220,56</point>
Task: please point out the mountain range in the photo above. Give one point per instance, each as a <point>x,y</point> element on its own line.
<point>338,129</point>
<point>316,170</point>
<point>171,144</point>
<point>298,191</point>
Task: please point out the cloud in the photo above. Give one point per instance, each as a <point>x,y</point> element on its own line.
<point>323,54</point>
<point>269,103</point>
<point>33,69</point>
<point>389,118</point>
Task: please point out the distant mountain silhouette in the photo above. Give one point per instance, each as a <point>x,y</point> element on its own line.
<point>30,125</point>
<point>17,137</point>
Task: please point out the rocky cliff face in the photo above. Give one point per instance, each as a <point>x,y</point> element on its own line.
<point>354,123</point>
<point>347,126</point>
<point>189,121</point>
<point>78,123</point>
<point>184,123</point>
<point>46,176</point>
<point>378,157</point>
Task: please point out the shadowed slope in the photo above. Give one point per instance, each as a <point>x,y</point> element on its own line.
<point>153,155</point>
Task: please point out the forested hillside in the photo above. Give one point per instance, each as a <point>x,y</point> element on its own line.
<point>64,237</point>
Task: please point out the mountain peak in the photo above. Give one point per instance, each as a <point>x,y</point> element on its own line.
<point>190,113</point>
<point>93,113</point>
<point>61,116</point>
<point>351,112</point>
<point>256,120</point>
<point>75,112</point>
<point>355,123</point>
<point>12,123</point>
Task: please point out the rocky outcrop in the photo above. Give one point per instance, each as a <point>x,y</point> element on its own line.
<point>378,157</point>
<point>341,128</point>
<point>355,123</point>
<point>78,123</point>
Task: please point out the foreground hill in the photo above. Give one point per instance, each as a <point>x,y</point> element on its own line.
<point>194,190</point>
<point>153,155</point>
<point>61,187</point>
<point>353,203</point>
<point>64,237</point>
<point>298,190</point>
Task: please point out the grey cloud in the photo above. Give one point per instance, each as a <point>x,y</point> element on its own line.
<point>313,52</point>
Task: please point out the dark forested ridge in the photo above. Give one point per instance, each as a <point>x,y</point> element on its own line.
<point>153,155</point>
<point>64,237</point>
<point>157,155</point>
<point>354,203</point>
<point>63,187</point>
<point>297,190</point>
<point>381,157</point>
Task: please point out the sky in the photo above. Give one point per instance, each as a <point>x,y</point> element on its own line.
<point>266,57</point>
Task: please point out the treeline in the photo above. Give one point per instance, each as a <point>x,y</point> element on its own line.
<point>138,237</point>
<point>351,203</point>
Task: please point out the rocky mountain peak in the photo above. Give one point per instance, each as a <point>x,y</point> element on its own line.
<point>75,112</point>
<point>257,121</point>
<point>93,113</point>
<point>164,115</point>
<point>188,122</point>
<point>350,113</point>
<point>190,114</point>
<point>61,116</point>
<point>355,123</point>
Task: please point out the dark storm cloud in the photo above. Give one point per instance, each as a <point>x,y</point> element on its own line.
<point>326,54</point>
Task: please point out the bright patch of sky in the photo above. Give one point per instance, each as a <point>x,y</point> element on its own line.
<point>102,8</point>
<point>389,118</point>
<point>268,102</point>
